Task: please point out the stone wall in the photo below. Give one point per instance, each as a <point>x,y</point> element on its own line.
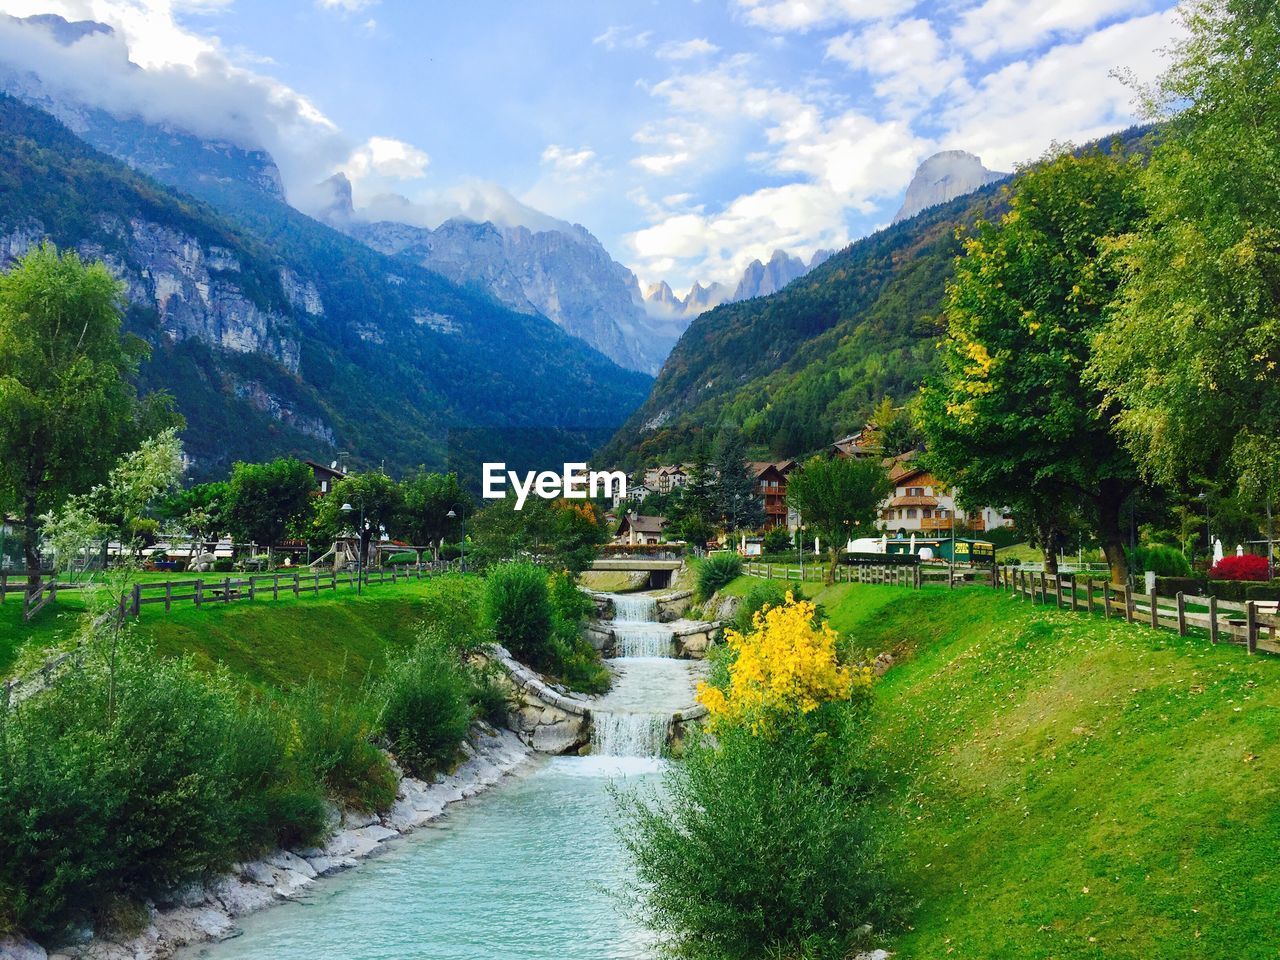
<point>547,719</point>
<point>673,606</point>
<point>695,638</point>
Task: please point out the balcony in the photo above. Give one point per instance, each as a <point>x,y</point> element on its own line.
<point>944,524</point>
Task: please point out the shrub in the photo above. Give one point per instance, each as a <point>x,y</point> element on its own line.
<point>335,746</point>
<point>762,594</point>
<point>1161,560</point>
<point>402,559</point>
<point>777,540</point>
<point>427,708</point>
<point>518,605</point>
<point>576,661</point>
<point>716,571</point>
<point>761,848</point>
<point>114,785</point>
<point>1247,567</point>
<point>224,565</point>
<point>455,607</point>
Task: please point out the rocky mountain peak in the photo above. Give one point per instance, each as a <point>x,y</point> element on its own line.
<point>943,177</point>
<point>67,32</point>
<point>339,208</point>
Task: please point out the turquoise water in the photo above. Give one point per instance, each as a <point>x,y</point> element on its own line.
<point>521,873</point>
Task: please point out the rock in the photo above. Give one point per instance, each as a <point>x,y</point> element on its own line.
<point>327,866</point>
<point>239,898</point>
<point>11,949</point>
<point>291,883</point>
<point>942,177</point>
<point>259,872</point>
<point>187,925</point>
<point>291,861</point>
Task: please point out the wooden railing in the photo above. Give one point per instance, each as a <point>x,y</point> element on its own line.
<point>1251,624</point>
<point>914,575</point>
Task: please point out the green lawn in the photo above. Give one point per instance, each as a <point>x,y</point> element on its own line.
<point>1069,787</point>
<point>333,636</point>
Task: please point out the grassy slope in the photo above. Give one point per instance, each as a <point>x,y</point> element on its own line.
<point>335,638</point>
<point>1073,787</point>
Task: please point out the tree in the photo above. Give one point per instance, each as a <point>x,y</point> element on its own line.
<point>694,513</point>
<point>838,497</point>
<point>736,503</point>
<point>559,534</point>
<point>198,510</point>
<point>67,407</point>
<point>426,501</point>
<point>264,500</point>
<point>373,496</point>
<point>1192,354</point>
<point>1011,420</point>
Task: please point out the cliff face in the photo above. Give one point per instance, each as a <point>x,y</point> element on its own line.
<point>943,177</point>
<point>567,277</point>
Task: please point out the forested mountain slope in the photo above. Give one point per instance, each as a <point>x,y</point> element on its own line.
<point>277,334</point>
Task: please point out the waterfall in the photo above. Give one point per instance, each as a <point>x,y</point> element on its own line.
<point>634,608</point>
<point>636,630</point>
<point>629,734</point>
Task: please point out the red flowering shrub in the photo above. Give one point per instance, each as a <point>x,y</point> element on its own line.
<point>1248,567</point>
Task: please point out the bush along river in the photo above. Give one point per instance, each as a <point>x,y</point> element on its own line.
<point>531,870</point>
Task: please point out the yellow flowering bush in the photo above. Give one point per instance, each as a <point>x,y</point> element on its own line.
<point>783,667</point>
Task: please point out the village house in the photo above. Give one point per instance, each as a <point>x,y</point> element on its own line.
<point>664,479</point>
<point>326,477</point>
<point>636,530</point>
<point>921,504</point>
<point>771,488</point>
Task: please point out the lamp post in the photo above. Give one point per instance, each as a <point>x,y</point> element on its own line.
<point>462,556</point>
<point>348,508</point>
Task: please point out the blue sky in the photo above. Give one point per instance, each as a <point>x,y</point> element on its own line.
<point>688,136</point>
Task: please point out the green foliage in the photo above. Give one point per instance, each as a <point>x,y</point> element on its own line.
<point>578,663</point>
<point>733,486</point>
<point>1162,560</point>
<point>1012,419</point>
<point>761,594</point>
<point>427,706</point>
<point>426,499</point>
<point>264,501</point>
<point>518,605</point>
<point>839,498</point>
<point>128,777</point>
<point>1192,353</point>
<point>715,571</point>
<point>66,400</point>
<point>763,847</point>
<point>559,534</point>
<point>777,540</point>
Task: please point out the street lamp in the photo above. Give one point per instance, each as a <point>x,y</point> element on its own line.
<point>348,508</point>
<point>462,556</point>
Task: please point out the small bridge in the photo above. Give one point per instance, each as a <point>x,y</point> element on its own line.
<point>660,571</point>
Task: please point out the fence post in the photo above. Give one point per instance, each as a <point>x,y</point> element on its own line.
<point>1182,615</point>
<point>297,584</point>
<point>1155,609</point>
<point>1106,600</point>
<point>1251,626</point>
<point>251,588</point>
<point>137,599</point>
<point>1213,620</point>
<point>168,595</point>
<point>198,598</point>
<point>226,590</point>
<point>275,587</point>
<point>1088,595</point>
<point>1128,604</point>
<point>1057,590</point>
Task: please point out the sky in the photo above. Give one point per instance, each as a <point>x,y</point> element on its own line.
<point>690,136</point>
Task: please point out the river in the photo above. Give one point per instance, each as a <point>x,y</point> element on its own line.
<point>531,870</point>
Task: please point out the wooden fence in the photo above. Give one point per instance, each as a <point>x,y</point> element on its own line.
<point>894,574</point>
<point>1252,624</point>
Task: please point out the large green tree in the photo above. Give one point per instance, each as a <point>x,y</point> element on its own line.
<point>558,534</point>
<point>1011,421</point>
<point>67,406</point>
<point>737,505</point>
<point>373,496</point>
<point>839,498</point>
<point>1192,355</point>
<point>264,501</point>
<point>426,500</point>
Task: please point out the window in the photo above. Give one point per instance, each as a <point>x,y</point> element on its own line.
<point>915,491</point>
<point>911,512</point>
<point>926,513</point>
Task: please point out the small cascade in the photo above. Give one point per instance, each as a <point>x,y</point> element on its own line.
<point>629,734</point>
<point>634,608</point>
<point>636,630</point>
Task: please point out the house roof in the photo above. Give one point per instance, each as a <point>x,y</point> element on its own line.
<point>914,502</point>
<point>325,469</point>
<point>643,524</point>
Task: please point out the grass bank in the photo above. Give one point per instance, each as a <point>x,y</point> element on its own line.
<point>1070,787</point>
<point>335,637</point>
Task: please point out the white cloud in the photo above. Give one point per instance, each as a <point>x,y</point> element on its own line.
<point>782,16</point>
<point>624,37</point>
<point>347,6</point>
<point>1068,93</point>
<point>387,158</point>
<point>687,49</point>
<point>1003,26</point>
<point>566,160</point>
<point>909,61</point>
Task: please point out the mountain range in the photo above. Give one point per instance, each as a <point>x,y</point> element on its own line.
<point>278,334</point>
<point>757,280</point>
